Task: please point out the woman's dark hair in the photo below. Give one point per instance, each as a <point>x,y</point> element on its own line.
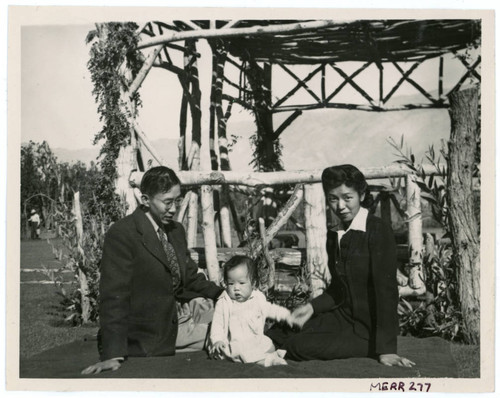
<point>334,176</point>
<point>158,180</point>
<point>236,261</point>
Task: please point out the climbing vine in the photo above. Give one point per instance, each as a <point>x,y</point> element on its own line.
<point>113,53</point>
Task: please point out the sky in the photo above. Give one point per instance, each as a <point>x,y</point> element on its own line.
<point>57,104</point>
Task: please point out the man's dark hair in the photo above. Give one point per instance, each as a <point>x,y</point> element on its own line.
<point>159,179</point>
<point>236,261</point>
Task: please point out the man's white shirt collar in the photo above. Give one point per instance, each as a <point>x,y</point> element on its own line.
<point>155,224</point>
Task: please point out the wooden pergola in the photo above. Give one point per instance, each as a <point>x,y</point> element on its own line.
<point>256,49</point>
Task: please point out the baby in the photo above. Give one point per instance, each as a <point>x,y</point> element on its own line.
<point>237,332</point>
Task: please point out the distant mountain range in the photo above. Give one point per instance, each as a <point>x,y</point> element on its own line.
<point>321,138</point>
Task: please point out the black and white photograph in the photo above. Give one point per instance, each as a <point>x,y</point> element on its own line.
<point>268,200</point>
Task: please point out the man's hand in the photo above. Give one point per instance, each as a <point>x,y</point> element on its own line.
<point>302,314</point>
<point>218,350</point>
<point>395,360</point>
<point>109,364</point>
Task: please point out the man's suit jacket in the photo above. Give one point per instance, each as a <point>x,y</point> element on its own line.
<point>370,267</point>
<point>138,315</point>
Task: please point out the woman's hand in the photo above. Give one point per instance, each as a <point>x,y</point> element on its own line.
<point>395,360</point>
<point>217,350</point>
<point>302,314</point>
<point>109,364</point>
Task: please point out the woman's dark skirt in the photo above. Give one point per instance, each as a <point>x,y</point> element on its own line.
<point>328,335</point>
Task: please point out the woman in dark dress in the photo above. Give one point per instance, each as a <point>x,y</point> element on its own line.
<point>356,316</point>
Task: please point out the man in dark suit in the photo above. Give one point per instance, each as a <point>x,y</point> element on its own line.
<point>152,298</point>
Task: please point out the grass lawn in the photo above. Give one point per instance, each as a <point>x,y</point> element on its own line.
<point>41,326</point>
<point>467,358</point>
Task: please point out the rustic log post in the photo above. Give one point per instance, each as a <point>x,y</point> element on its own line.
<point>193,157</point>
<point>181,144</point>
<point>82,278</point>
<point>415,237</point>
<point>208,227</point>
<point>464,115</point>
<point>315,220</point>
<point>212,129</point>
<point>192,219</point>
<point>267,255</point>
<point>125,163</point>
<point>181,212</point>
<point>195,106</point>
<point>225,224</point>
<point>260,80</point>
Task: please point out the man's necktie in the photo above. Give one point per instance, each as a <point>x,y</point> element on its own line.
<point>173,263</point>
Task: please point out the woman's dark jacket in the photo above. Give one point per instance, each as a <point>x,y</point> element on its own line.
<point>371,283</point>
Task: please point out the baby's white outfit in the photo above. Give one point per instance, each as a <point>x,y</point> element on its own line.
<point>241,327</point>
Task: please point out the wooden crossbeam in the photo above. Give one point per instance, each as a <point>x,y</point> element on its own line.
<point>401,80</point>
<point>146,67</point>
<point>167,55</point>
<point>235,85</point>
<point>145,141</point>
<point>282,217</point>
<point>415,84</point>
<point>286,123</point>
<point>172,68</point>
<point>162,25</point>
<point>353,83</point>
<point>191,24</point>
<point>234,63</point>
<point>142,27</point>
<point>182,49</point>
<point>469,67</point>
<point>240,102</point>
<point>300,84</point>
<point>360,107</point>
<point>233,32</point>
<point>465,76</point>
<point>341,86</point>
<point>231,24</point>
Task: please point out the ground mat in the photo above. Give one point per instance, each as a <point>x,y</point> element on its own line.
<point>432,356</point>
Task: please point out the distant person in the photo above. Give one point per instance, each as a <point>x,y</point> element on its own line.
<point>237,332</point>
<point>153,301</point>
<point>356,316</point>
<point>34,223</point>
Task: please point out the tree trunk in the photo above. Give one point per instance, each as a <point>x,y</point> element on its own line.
<point>462,220</point>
